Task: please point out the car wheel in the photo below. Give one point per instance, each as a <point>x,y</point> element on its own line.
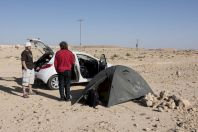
<point>53,82</point>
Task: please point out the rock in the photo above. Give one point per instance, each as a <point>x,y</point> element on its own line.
<point>148,117</point>
<point>183,103</point>
<point>194,109</point>
<point>191,110</point>
<point>156,119</point>
<point>160,109</point>
<point>178,73</point>
<point>149,103</point>
<point>165,108</point>
<point>150,100</point>
<point>135,125</point>
<point>155,125</point>
<point>176,99</point>
<point>149,96</point>
<point>180,124</point>
<point>162,94</point>
<point>163,103</point>
<point>171,104</point>
<point>142,114</point>
<point>145,129</point>
<point>155,101</point>
<point>194,130</point>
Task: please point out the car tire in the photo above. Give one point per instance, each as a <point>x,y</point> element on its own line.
<point>53,82</point>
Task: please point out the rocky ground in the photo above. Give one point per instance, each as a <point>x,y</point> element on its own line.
<point>171,73</point>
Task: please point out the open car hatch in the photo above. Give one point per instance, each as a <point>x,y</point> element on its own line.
<point>41,46</point>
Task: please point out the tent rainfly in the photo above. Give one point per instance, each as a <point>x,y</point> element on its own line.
<point>116,84</point>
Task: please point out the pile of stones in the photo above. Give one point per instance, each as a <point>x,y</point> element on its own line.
<point>165,102</point>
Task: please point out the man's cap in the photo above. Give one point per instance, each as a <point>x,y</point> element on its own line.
<point>27,44</point>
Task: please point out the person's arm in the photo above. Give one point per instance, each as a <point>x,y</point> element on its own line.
<point>23,59</point>
<point>24,65</point>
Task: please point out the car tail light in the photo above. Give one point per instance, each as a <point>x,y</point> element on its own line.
<point>46,66</point>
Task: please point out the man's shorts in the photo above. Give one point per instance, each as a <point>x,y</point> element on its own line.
<point>28,77</point>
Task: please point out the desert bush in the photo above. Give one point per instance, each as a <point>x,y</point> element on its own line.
<point>115,55</point>
<point>128,54</point>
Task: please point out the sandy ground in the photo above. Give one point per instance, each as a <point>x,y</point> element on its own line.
<point>175,71</point>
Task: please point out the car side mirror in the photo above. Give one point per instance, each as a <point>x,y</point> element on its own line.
<point>103,62</point>
<point>103,59</point>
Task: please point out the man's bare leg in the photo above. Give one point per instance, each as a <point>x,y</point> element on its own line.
<point>24,91</point>
<point>30,89</point>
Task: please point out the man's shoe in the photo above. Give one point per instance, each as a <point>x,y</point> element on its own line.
<point>68,99</point>
<point>25,96</point>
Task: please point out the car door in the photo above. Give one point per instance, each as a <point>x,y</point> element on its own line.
<point>88,65</point>
<point>75,77</point>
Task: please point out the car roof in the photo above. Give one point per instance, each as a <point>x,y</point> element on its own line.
<point>79,52</point>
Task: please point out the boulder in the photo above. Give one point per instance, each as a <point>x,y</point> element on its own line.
<point>183,103</point>
<point>160,109</point>
<point>155,101</point>
<point>171,104</point>
<point>149,96</point>
<point>149,103</point>
<point>150,100</point>
<point>162,94</point>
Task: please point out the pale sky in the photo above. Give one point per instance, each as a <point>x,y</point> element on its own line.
<point>156,23</point>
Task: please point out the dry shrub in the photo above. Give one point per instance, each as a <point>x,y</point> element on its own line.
<point>128,54</point>
<point>114,56</point>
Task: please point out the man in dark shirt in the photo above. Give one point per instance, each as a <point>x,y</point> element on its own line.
<point>27,70</point>
<point>63,63</point>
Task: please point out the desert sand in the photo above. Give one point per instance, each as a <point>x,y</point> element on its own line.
<point>172,70</point>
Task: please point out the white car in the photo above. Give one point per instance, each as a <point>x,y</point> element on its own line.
<point>85,68</point>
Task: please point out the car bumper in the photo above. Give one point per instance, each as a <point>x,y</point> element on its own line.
<point>45,74</point>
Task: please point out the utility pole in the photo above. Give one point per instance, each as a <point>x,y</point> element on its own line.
<point>137,44</point>
<point>80,21</point>
<point>137,47</point>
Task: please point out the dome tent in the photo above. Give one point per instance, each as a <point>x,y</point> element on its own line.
<point>116,84</point>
